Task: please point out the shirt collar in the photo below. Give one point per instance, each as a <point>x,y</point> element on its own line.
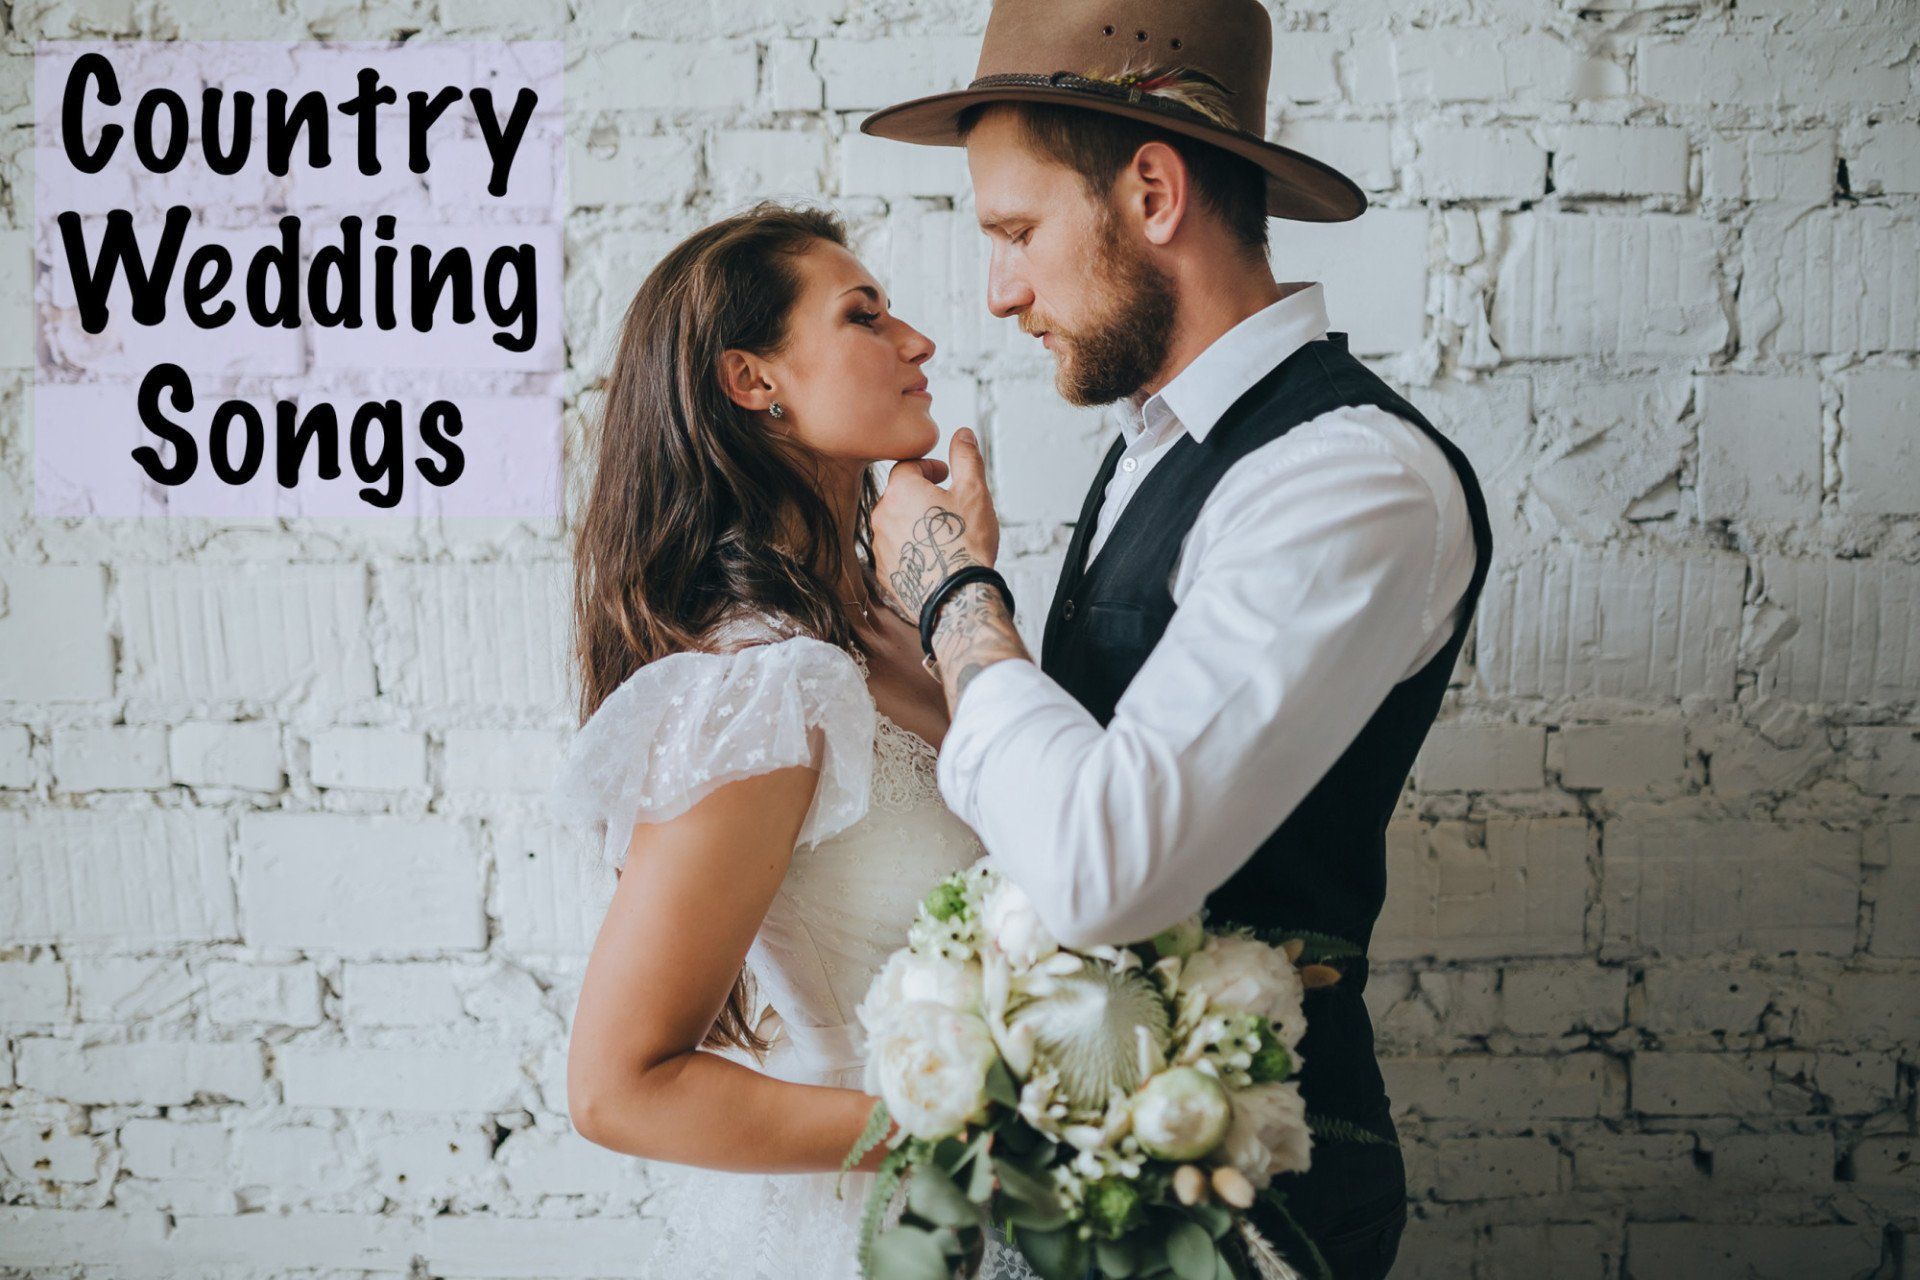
<point>1201,393</point>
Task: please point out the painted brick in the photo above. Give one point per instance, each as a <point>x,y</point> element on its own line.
<point>17,770</point>
<point>1682,886</point>
<point>1619,160</point>
<point>264,633</point>
<point>1627,756</point>
<point>334,883</point>
<point>1599,623</point>
<point>369,759</point>
<point>1466,756</point>
<point>494,760</point>
<point>413,1080</point>
<point>245,755</point>
<point>1855,622</point>
<point>470,638</point>
<point>1465,161</point>
<point>63,601</point>
<point>121,878</point>
<point>1505,887</point>
<point>1596,285</point>
<point>1831,280</point>
<point>110,758</point>
<point>1685,1250</point>
<point>1759,447</point>
<point>146,1073</point>
<point>1375,272</point>
<point>1505,1090</point>
<point>1879,460</point>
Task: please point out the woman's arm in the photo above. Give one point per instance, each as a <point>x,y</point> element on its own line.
<point>686,909</point>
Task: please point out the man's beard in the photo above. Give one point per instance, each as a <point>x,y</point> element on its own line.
<point>1125,343</point>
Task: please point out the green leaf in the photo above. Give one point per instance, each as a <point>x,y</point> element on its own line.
<point>908,1253</point>
<point>870,1137</point>
<point>1001,1086</point>
<point>1190,1250</point>
<point>1223,1268</point>
<point>1328,1128</point>
<point>1021,1185</point>
<point>1035,1217</point>
<point>980,1181</point>
<point>1117,1259</point>
<point>885,1181</point>
<point>937,1198</point>
<point>1213,1217</point>
<point>1055,1255</point>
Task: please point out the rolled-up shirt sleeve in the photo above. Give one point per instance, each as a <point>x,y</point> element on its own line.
<point>1317,589</point>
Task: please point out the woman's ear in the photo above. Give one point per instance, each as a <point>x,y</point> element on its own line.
<point>743,378</point>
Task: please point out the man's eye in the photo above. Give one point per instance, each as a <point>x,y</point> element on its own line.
<point>1024,236</point>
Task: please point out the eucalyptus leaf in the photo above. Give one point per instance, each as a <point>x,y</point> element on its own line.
<point>935,1196</point>
<point>980,1181</point>
<point>1035,1217</point>
<point>1213,1217</point>
<point>1118,1259</point>
<point>1023,1185</point>
<point>1190,1250</point>
<point>908,1253</point>
<point>1001,1086</point>
<point>1055,1255</point>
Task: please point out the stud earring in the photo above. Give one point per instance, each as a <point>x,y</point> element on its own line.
<point>776,409</point>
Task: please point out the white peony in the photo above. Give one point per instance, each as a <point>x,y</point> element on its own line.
<point>1180,1114</point>
<point>1012,925</point>
<point>1246,975</point>
<point>909,977</point>
<point>929,1064</point>
<point>1268,1133</point>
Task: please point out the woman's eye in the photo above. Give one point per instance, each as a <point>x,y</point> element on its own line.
<point>865,317</point>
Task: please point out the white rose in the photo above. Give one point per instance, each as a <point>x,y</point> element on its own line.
<point>929,1064</point>
<point>1180,1114</point>
<point>909,977</point>
<point>1013,926</point>
<point>1248,976</point>
<point>1268,1133</point>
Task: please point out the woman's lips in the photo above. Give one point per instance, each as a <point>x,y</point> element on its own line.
<point>918,389</point>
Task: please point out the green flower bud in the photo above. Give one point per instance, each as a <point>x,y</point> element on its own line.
<point>1182,939</point>
<point>1114,1207</point>
<point>1271,1062</point>
<point>948,899</point>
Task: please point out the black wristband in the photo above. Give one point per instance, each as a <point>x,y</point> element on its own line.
<point>930,611</point>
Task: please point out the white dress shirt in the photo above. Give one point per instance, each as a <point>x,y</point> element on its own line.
<point>1326,566</point>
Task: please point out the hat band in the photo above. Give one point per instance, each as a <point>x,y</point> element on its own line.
<point>1129,93</point>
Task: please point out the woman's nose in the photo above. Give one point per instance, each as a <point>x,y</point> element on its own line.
<point>918,347</point>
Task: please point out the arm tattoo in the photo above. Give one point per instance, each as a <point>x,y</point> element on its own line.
<point>972,633</point>
<point>935,550</point>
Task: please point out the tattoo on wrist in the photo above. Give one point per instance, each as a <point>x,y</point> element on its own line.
<point>936,549</point>
<point>972,633</point>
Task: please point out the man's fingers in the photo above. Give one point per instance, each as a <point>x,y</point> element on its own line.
<point>969,468</point>
<point>932,468</point>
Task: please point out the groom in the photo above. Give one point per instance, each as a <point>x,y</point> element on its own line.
<point>1272,574</point>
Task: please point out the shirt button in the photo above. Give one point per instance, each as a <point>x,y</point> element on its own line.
<point>1129,464</point>
<point>1067,611</point>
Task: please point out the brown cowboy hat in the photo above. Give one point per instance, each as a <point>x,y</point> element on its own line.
<point>1149,60</point>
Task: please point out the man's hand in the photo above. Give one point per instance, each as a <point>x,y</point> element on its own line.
<point>922,533</point>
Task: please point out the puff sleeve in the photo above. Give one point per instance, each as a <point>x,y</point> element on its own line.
<point>687,724</point>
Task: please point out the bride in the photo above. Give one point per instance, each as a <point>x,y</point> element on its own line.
<point>758,737</point>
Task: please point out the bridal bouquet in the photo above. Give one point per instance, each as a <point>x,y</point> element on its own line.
<point>1124,1106</point>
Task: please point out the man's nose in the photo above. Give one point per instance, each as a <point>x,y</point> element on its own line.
<point>1007,290</point>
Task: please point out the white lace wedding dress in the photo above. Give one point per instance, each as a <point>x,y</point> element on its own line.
<point>875,841</point>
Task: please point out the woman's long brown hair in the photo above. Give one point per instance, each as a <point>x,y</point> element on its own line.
<point>697,512</point>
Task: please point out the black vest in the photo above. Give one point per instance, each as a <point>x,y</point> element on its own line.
<point>1324,869</point>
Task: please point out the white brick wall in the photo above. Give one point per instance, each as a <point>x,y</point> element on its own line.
<point>287,943</point>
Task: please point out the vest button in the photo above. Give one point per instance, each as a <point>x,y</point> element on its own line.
<point>1067,612</point>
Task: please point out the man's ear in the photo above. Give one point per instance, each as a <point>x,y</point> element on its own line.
<point>743,376</point>
<point>1160,189</point>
